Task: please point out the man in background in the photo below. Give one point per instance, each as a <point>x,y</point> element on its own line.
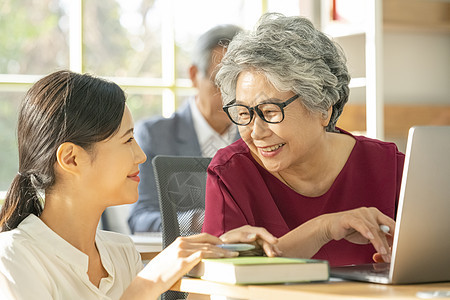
<point>198,128</point>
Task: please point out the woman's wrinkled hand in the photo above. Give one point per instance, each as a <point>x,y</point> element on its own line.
<point>186,252</point>
<point>361,226</point>
<point>258,236</point>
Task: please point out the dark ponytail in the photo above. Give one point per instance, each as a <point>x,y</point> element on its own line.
<point>61,107</point>
<point>21,200</point>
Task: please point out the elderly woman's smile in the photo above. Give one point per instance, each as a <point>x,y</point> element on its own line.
<point>271,148</point>
<point>284,145</point>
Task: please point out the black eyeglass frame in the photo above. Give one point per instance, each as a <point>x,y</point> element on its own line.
<point>255,108</point>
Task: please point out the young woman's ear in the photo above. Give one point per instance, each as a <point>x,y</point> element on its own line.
<point>68,157</point>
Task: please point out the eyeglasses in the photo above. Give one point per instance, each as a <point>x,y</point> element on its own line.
<point>270,112</point>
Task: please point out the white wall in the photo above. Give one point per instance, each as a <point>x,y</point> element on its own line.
<point>417,68</point>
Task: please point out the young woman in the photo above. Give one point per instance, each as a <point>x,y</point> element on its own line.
<point>77,156</point>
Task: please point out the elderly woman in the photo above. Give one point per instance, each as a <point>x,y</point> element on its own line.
<point>321,190</point>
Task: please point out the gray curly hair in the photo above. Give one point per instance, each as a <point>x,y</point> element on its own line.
<point>293,56</point>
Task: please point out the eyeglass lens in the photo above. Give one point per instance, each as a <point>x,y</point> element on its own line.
<point>242,115</point>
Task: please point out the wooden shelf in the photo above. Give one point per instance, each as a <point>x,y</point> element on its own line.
<point>404,16</point>
<point>416,15</point>
<point>397,118</point>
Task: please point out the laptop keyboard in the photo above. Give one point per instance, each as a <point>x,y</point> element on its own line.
<point>375,269</point>
<point>362,272</point>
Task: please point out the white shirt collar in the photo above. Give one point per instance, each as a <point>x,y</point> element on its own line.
<point>210,141</point>
<point>44,235</point>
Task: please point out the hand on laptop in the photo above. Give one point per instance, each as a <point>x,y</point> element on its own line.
<point>362,226</point>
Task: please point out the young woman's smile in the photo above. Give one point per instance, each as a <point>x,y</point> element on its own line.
<point>135,176</point>
<point>115,171</point>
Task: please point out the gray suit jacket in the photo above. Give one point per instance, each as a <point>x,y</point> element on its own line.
<point>173,136</point>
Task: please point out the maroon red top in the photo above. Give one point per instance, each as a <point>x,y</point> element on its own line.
<point>239,191</point>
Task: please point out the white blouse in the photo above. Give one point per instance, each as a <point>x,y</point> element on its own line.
<point>36,263</point>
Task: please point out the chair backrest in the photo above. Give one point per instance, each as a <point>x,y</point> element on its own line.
<point>181,183</point>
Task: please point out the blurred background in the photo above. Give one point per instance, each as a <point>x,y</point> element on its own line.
<point>145,45</point>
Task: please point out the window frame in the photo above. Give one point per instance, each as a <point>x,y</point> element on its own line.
<point>171,88</point>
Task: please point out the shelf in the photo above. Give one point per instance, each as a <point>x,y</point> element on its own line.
<point>416,15</point>
<point>398,117</point>
<point>371,18</point>
<point>416,28</point>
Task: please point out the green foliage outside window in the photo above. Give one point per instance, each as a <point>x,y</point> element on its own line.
<point>121,39</point>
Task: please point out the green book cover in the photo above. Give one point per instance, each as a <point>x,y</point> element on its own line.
<point>256,260</point>
<point>261,270</point>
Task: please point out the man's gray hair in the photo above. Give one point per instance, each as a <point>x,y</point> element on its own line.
<point>220,35</point>
<point>293,56</point>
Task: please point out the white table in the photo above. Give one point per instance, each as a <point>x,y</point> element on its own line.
<point>149,244</point>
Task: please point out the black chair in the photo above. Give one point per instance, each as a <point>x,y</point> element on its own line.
<point>181,183</point>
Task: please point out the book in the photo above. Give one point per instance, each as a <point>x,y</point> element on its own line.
<point>261,270</point>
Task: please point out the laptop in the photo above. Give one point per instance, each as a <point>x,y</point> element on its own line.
<point>421,244</point>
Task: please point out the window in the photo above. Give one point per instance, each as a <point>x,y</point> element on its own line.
<point>143,45</point>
